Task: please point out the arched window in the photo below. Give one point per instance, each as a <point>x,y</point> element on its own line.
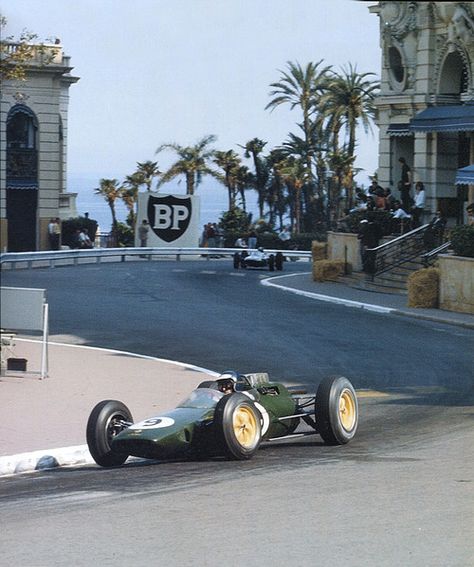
<point>454,77</point>
<point>22,128</point>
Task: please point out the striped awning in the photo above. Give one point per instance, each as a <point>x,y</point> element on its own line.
<point>465,175</point>
<point>399,130</point>
<point>449,118</point>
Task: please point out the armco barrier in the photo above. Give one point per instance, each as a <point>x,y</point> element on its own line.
<point>74,257</point>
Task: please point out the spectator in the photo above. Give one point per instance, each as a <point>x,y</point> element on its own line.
<point>389,199</point>
<point>433,236</point>
<point>401,219</point>
<point>369,235</point>
<point>84,239</point>
<point>470,214</point>
<point>252,239</point>
<point>143,233</point>
<point>419,206</point>
<point>54,233</point>
<point>404,184</point>
<point>284,234</point>
<point>240,243</point>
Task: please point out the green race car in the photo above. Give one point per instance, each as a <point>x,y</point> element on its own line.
<point>229,416</point>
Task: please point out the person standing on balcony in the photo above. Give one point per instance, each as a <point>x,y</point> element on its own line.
<point>419,206</point>
<point>404,184</point>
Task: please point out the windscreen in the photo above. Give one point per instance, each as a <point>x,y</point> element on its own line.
<point>202,398</point>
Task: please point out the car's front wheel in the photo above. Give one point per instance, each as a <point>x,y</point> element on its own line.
<point>336,410</point>
<point>107,420</point>
<point>238,426</point>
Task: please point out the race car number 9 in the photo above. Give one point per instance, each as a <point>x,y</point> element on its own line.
<point>153,423</point>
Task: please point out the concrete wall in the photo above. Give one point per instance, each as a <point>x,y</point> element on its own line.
<point>456,291</point>
<point>341,243</point>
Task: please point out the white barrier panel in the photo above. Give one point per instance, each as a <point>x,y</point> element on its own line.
<point>22,308</point>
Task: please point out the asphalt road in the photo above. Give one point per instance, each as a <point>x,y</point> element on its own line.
<point>400,494</point>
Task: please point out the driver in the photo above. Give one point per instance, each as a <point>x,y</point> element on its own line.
<point>226,382</point>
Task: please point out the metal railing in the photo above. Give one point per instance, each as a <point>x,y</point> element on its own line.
<point>75,257</point>
<point>402,249</point>
<point>430,257</point>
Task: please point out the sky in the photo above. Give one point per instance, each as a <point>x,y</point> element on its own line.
<point>160,71</point>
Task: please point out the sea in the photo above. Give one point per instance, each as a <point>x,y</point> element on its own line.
<point>213,198</point>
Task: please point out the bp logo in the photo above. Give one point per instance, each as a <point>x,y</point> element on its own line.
<point>169,216</point>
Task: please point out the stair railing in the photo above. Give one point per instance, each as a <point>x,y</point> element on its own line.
<point>402,249</point>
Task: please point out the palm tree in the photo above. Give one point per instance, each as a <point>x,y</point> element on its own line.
<point>192,163</point>
<point>129,195</point>
<point>111,191</point>
<point>349,101</point>
<point>252,149</point>
<point>301,88</point>
<point>244,179</point>
<point>148,170</point>
<point>294,173</point>
<point>230,162</point>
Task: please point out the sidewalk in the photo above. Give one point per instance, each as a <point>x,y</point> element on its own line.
<point>342,294</point>
<point>53,413</point>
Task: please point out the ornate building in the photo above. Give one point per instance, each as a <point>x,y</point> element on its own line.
<point>426,103</point>
<point>33,142</point>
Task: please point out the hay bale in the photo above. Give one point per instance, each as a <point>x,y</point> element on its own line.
<point>423,288</point>
<point>319,250</point>
<point>324,270</point>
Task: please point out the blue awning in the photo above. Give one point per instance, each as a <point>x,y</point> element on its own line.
<point>465,175</point>
<point>397,129</point>
<point>459,118</point>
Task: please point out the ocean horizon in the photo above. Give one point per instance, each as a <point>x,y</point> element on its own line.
<point>213,197</point>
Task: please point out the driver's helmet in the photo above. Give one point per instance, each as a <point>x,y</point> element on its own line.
<point>226,381</point>
<point>260,249</point>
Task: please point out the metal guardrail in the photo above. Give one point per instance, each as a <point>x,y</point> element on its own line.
<point>430,257</point>
<point>74,257</point>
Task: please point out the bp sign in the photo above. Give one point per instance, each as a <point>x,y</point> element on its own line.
<point>173,219</point>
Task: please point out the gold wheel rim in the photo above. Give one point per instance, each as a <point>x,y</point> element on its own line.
<point>245,427</point>
<point>347,410</point>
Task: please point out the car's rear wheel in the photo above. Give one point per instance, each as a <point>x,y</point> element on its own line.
<point>279,258</point>
<point>238,426</point>
<point>336,410</point>
<point>271,263</point>
<point>107,420</point>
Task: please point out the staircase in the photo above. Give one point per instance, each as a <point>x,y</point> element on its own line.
<point>392,263</point>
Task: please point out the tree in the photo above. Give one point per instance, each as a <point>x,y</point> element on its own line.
<point>253,148</point>
<point>148,171</point>
<point>17,54</point>
<point>348,101</point>
<point>230,163</point>
<point>192,163</point>
<point>111,191</point>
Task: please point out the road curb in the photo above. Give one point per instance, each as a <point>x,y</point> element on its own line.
<point>44,459</point>
<point>366,306</point>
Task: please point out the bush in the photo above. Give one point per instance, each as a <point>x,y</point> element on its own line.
<point>235,224</point>
<point>125,236</point>
<point>70,226</point>
<point>423,288</point>
<point>383,218</point>
<point>462,240</point>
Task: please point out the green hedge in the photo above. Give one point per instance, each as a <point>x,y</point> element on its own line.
<point>70,226</point>
<point>462,240</point>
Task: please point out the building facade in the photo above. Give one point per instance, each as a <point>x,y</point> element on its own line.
<point>33,156</point>
<point>426,102</point>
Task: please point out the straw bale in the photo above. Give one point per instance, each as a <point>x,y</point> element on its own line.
<point>319,250</point>
<point>423,288</point>
<point>324,270</point>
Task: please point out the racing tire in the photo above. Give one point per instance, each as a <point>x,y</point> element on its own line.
<point>336,410</point>
<point>238,426</point>
<point>104,423</point>
<point>279,261</point>
<point>271,263</point>
<point>236,261</point>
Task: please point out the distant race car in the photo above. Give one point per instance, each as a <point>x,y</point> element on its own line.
<point>229,416</point>
<point>259,259</point>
